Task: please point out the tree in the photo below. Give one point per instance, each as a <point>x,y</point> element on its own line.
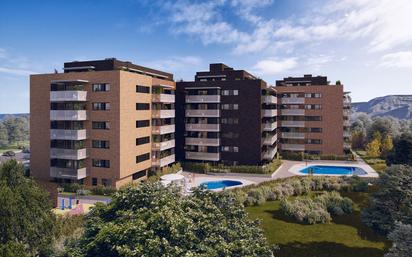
<point>151,220</point>
<point>358,140</point>
<point>17,129</point>
<point>26,219</point>
<point>393,201</point>
<point>401,237</point>
<point>402,150</point>
<point>384,125</point>
<point>4,137</point>
<point>386,146</point>
<point>373,148</point>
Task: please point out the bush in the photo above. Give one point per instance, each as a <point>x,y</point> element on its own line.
<point>102,190</point>
<point>335,204</point>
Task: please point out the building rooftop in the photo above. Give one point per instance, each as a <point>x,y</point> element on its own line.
<point>114,64</point>
<point>306,80</point>
<point>220,71</point>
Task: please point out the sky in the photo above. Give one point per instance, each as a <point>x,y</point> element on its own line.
<point>366,44</point>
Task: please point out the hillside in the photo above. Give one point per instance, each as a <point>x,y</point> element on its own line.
<point>398,106</point>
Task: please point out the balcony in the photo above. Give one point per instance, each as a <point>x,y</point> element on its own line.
<point>203,127</point>
<point>68,115</point>
<point>68,173</point>
<point>164,145</point>
<point>269,99</point>
<point>347,145</point>
<point>270,112</point>
<point>66,134</point>
<point>293,123</point>
<point>269,139</point>
<point>346,134</point>
<point>299,112</point>
<point>165,129</point>
<point>270,126</point>
<point>203,113</point>
<point>202,141</point>
<point>68,154</point>
<point>163,114</point>
<point>346,123</point>
<point>293,135</point>
<point>293,100</point>
<point>60,96</point>
<point>293,147</point>
<point>203,99</point>
<point>163,161</point>
<point>163,98</point>
<point>204,156</point>
<point>269,154</point>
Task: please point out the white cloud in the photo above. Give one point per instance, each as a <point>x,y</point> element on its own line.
<point>401,59</point>
<point>274,66</point>
<point>18,72</point>
<point>177,63</point>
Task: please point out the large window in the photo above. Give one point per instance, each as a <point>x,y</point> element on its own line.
<point>142,106</point>
<point>142,89</point>
<point>142,140</point>
<point>101,106</point>
<point>100,144</point>
<point>143,157</point>
<point>101,163</point>
<point>142,123</point>
<point>100,125</point>
<point>102,87</point>
<point>139,174</point>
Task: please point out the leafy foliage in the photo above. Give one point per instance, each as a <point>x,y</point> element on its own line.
<point>151,220</point>
<point>393,201</point>
<point>402,151</point>
<point>373,148</point>
<point>13,130</point>
<point>26,221</point>
<point>401,237</point>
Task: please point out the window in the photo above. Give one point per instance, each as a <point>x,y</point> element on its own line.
<point>235,92</point>
<point>313,118</point>
<point>143,157</point>
<point>230,135</point>
<point>142,140</point>
<point>101,87</point>
<point>100,144</point>
<point>315,130</point>
<point>142,106</point>
<point>230,92</point>
<point>139,174</point>
<point>142,123</point>
<point>106,182</point>
<point>101,106</point>
<point>314,141</point>
<point>101,163</point>
<point>230,106</point>
<point>313,95</point>
<point>100,125</point>
<point>233,149</point>
<point>94,181</point>
<point>313,106</point>
<point>142,89</point>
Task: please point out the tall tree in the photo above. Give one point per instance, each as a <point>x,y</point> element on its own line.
<point>151,220</point>
<point>386,146</point>
<point>393,201</point>
<point>373,148</point>
<point>4,136</point>
<point>26,219</point>
<point>402,150</point>
<point>401,237</point>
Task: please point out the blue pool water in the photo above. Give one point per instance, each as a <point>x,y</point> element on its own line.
<point>220,184</point>
<point>333,170</point>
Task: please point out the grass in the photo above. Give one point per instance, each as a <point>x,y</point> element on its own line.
<point>346,236</point>
<point>377,164</point>
<point>14,147</point>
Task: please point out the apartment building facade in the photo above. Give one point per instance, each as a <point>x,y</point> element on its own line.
<point>313,116</point>
<point>104,122</point>
<point>226,116</point>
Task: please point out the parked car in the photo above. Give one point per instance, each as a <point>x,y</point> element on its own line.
<point>9,154</point>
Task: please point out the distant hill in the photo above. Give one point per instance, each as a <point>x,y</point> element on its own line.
<point>14,115</point>
<point>398,106</point>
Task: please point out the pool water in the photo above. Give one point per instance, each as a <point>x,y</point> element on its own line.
<point>333,170</point>
<point>220,184</point>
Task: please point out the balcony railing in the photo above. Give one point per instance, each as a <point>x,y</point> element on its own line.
<point>294,135</point>
<point>164,145</point>
<point>165,129</point>
<point>202,98</point>
<point>202,141</point>
<point>59,96</point>
<point>202,113</point>
<point>269,99</point>
<point>203,127</point>
<point>270,139</point>
<point>202,156</point>
<point>269,154</point>
<point>347,145</point>
<point>68,173</point>
<point>293,100</point>
<point>292,123</point>
<point>292,112</point>
<point>163,114</point>
<point>66,134</point>
<point>270,126</point>
<point>293,147</point>
<point>68,115</point>
<point>68,154</point>
<point>163,98</point>
<point>270,112</point>
<point>163,161</point>
<point>346,134</point>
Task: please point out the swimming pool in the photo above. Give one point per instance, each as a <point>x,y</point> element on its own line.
<point>332,170</point>
<point>220,184</point>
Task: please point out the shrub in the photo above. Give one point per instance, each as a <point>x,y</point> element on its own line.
<point>335,203</point>
<point>102,190</point>
<point>255,197</point>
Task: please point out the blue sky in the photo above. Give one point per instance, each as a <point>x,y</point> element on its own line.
<point>367,44</point>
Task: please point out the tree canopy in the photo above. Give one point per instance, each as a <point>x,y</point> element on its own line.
<point>402,150</point>
<point>26,219</point>
<point>401,237</point>
<point>393,201</point>
<point>151,220</point>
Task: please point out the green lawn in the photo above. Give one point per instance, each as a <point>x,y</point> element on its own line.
<point>346,236</point>
<point>15,146</point>
<point>377,164</point>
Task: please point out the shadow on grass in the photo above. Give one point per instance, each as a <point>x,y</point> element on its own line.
<point>325,249</point>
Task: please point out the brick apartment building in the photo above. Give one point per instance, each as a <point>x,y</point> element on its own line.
<point>227,116</point>
<point>103,122</point>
